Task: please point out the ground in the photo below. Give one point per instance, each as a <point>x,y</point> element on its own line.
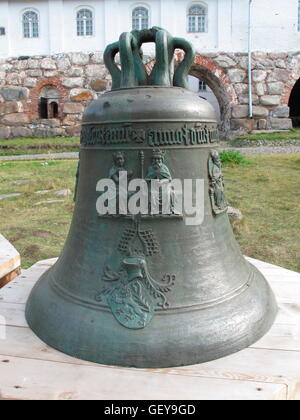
<point>30,146</point>
<point>266,190</point>
<point>293,134</point>
<point>36,227</point>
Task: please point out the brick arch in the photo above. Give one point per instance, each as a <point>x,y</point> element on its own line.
<point>219,82</point>
<point>35,95</point>
<point>287,90</point>
<point>291,98</point>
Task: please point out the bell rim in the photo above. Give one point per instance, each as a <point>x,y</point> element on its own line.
<point>188,349</point>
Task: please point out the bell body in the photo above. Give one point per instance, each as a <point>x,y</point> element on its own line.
<point>150,291</point>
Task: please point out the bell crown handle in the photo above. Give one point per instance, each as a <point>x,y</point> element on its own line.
<point>182,71</point>
<point>109,60</point>
<point>133,73</point>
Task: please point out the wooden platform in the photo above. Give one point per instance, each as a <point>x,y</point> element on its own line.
<point>10,262</point>
<point>268,370</point>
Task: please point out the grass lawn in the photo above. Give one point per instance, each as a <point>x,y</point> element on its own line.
<point>266,190</point>
<point>31,146</point>
<point>38,231</point>
<point>293,134</point>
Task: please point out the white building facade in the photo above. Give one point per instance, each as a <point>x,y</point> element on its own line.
<point>47,27</point>
<point>226,33</point>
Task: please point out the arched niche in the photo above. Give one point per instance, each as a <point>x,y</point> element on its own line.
<point>294,104</point>
<point>49,102</point>
<point>219,92</point>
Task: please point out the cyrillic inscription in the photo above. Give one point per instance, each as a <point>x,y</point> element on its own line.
<point>184,136</point>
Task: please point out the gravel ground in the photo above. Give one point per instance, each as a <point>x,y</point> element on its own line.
<point>265,150</point>
<point>44,156</point>
<point>262,150</point>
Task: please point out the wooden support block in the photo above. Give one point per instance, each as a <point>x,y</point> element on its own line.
<point>30,379</point>
<point>269,369</point>
<point>9,277</point>
<point>9,262</point>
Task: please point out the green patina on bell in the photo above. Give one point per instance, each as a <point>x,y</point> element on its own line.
<point>150,289</point>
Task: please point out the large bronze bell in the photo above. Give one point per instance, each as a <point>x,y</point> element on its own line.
<point>149,289</point>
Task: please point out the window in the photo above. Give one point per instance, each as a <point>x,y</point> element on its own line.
<point>140,18</point>
<point>197,18</point>
<point>85,22</point>
<point>2,31</point>
<point>53,109</point>
<point>202,86</point>
<point>30,24</point>
<point>48,108</point>
<point>49,102</point>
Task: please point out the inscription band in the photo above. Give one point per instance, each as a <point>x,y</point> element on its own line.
<point>152,137</point>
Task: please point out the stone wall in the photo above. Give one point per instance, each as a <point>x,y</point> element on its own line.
<point>273,78</point>
<point>80,78</point>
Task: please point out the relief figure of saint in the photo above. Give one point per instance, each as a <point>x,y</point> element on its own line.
<point>217,190</point>
<point>116,173</point>
<point>160,172</point>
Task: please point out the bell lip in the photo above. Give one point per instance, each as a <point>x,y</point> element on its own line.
<point>181,343</point>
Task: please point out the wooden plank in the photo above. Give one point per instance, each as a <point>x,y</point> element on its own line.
<point>286,290</point>
<point>262,265</point>
<point>277,271</point>
<point>22,342</point>
<point>281,337</point>
<point>274,360</point>
<point>42,380</point>
<point>47,263</point>
<point>10,277</point>
<point>258,263</point>
<point>12,314</point>
<point>260,365</point>
<point>19,289</point>
<point>289,312</point>
<point>254,364</point>
<point>275,276</point>
<point>9,257</point>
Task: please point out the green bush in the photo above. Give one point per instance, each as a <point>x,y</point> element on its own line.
<point>232,158</point>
